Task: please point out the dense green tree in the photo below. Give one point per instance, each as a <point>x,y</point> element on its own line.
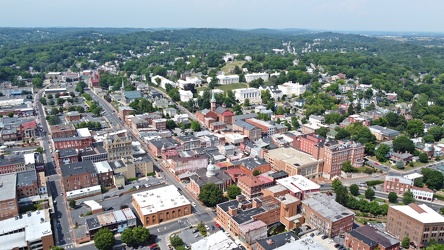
<point>265,96</point>
<point>342,195</point>
<point>342,134</point>
<point>43,101</point>
<point>405,243</point>
<point>423,157</point>
<point>37,82</point>
<point>408,197</point>
<point>336,183</point>
<point>354,189</point>
<point>104,239</point>
<point>369,148</point>
<point>127,236</point>
<point>415,128</point>
<point>381,152</point>
<point>392,197</point>
<point>322,131</point>
<point>39,150</point>
<point>233,191</point>
<point>347,167</point>
<point>210,194</point>
<point>176,241</point>
<point>72,204</point>
<point>418,182</point>
<point>10,114</point>
<point>140,235</point>
<point>403,144</point>
<point>437,132</point>
<point>432,178</point>
<point>428,138</point>
<point>170,124</point>
<point>370,193</point>
<point>246,102</point>
<point>53,120</point>
<point>195,126</point>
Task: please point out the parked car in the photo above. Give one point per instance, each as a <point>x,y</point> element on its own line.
<point>324,237</point>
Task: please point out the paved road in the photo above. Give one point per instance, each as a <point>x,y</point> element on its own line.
<point>201,213</point>
<point>111,114</point>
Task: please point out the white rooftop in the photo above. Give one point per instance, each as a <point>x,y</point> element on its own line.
<point>83,132</point>
<point>304,243</point>
<point>413,176</point>
<point>29,158</point>
<point>423,213</point>
<point>94,205</point>
<point>8,184</point>
<point>298,183</point>
<point>28,228</point>
<point>102,167</point>
<point>160,199</point>
<point>217,241</point>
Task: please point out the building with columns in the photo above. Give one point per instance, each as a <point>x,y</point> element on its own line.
<point>290,88</point>
<point>252,94</point>
<point>209,175</point>
<point>255,76</point>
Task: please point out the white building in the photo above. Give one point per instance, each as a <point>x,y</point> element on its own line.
<point>255,76</point>
<point>290,88</point>
<point>299,185</point>
<point>185,95</point>
<point>252,94</point>
<point>29,231</point>
<point>424,194</point>
<point>223,79</point>
<point>217,241</point>
<point>163,81</point>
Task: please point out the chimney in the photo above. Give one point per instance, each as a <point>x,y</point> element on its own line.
<point>232,211</point>
<point>257,203</point>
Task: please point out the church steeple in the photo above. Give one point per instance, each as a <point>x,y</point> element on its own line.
<point>213,101</point>
<point>122,89</point>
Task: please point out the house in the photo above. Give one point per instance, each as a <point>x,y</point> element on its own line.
<point>383,133</point>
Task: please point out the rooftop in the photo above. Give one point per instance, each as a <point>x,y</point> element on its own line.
<point>26,178</point>
<point>159,199</point>
<point>327,207</point>
<point>8,186</point>
<point>298,183</point>
<point>277,241</point>
<point>422,213</point>
<point>374,235</point>
<point>251,163</point>
<point>291,156</point>
<point>103,167</point>
<point>216,241</point>
<point>28,227</point>
<point>78,168</point>
<point>67,152</point>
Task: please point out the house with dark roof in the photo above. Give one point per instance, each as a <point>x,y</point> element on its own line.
<point>209,175</point>
<point>249,130</point>
<point>250,165</point>
<point>370,238</point>
<point>276,241</point>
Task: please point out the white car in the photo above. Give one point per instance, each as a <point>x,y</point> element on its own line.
<point>193,204</point>
<point>207,227</point>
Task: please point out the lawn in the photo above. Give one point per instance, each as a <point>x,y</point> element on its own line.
<point>230,66</point>
<point>232,86</point>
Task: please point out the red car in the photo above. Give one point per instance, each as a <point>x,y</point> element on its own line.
<point>153,246</point>
<point>217,224</point>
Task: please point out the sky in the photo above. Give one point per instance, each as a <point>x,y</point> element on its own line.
<point>332,15</point>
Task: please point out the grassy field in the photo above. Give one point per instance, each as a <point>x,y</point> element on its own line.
<point>230,66</point>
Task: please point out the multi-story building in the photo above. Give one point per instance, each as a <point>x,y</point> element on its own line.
<point>299,186</point>
<point>66,156</point>
<point>336,154</point>
<point>117,220</point>
<point>95,154</point>
<point>369,238</point>
<point>324,213</point>
<point>188,142</point>
<point>30,231</point>
<point>397,184</point>
<point>252,94</point>
<point>424,194</point>
<point>14,164</point>
<point>8,196</point>
<point>161,204</point>
<point>63,131</point>
<point>266,127</point>
<point>27,184</point>
<point>180,165</point>
<point>28,130</point>
<point>251,186</point>
<point>225,79</point>
<point>73,116</point>
<point>118,147</point>
<point>418,222</point>
<point>255,76</point>
<point>252,132</point>
<point>72,142</point>
<point>79,175</point>
<point>125,111</point>
<point>294,162</point>
<point>290,89</point>
<point>34,161</point>
<point>104,173</point>
<point>159,124</point>
<point>383,133</point>
<point>137,122</point>
<point>251,165</point>
<point>209,175</point>
<point>312,144</point>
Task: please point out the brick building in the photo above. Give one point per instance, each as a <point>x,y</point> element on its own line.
<point>209,175</point>
<point>72,142</point>
<point>325,214</point>
<point>418,222</point>
<point>27,184</point>
<point>104,173</point>
<point>252,132</point>
<point>252,186</point>
<point>8,196</point>
<point>28,130</point>
<point>180,165</point>
<point>79,175</point>
<point>13,165</point>
<point>312,144</point>
<point>397,183</point>
<point>338,153</point>
<point>249,165</point>
<point>73,116</point>
<point>299,186</point>
<point>66,156</point>
<point>159,124</point>
<point>369,238</point>
<point>159,205</point>
<point>63,131</point>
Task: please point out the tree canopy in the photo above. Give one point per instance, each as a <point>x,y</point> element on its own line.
<point>104,239</point>
<point>210,194</point>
